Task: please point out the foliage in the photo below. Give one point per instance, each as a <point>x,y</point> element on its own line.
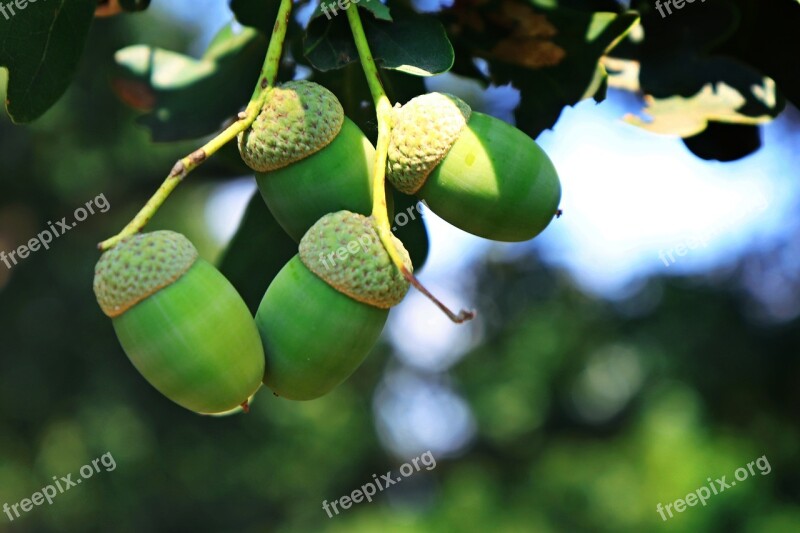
<point>699,388</point>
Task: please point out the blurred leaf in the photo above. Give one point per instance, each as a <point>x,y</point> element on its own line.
<point>689,116</point>
<point>258,251</point>
<point>724,142</point>
<point>700,29</point>
<point>687,74</point>
<point>768,38</point>
<point>186,98</point>
<point>622,73</point>
<point>229,163</point>
<point>551,55</point>
<point>412,43</point>
<point>41,45</point>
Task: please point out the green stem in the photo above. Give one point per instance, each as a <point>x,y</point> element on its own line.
<point>269,72</point>
<point>383,110</point>
<point>267,80</point>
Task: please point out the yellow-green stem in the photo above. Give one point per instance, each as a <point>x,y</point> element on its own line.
<point>383,110</point>
<point>267,80</point>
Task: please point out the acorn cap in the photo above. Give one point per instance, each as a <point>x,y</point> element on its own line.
<point>344,250</point>
<point>139,267</point>
<point>424,131</point>
<point>298,119</point>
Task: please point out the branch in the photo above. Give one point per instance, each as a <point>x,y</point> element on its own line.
<point>267,80</point>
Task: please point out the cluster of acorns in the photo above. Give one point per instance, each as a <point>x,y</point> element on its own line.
<point>190,334</point>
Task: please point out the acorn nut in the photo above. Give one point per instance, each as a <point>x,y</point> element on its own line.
<point>326,308</point>
<point>473,170</point>
<point>310,160</point>
<point>181,323</point>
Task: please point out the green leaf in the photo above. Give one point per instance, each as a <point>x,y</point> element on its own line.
<point>259,14</point>
<point>412,43</point>
<point>769,40</point>
<point>41,46</point>
<point>186,98</point>
<point>332,8</point>
<point>350,87</point>
<point>258,251</point>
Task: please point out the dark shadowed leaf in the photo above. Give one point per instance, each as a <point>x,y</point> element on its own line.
<point>412,43</point>
<point>41,46</point>
<point>258,251</point>
<point>724,142</point>
<point>551,55</point>
<point>186,98</point>
<point>350,86</point>
<point>768,39</point>
<point>134,5</point>
<point>688,83</point>
<point>259,14</point>
<point>409,226</point>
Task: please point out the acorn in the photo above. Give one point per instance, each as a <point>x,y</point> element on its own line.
<point>181,323</point>
<point>310,160</point>
<point>326,308</point>
<point>473,170</point>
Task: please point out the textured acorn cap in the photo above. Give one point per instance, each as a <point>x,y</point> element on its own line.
<point>424,131</point>
<point>140,266</point>
<point>344,250</point>
<point>298,119</point>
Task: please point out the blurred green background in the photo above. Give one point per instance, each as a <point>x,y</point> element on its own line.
<point>568,412</point>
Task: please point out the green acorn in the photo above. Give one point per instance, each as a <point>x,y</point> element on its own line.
<point>326,308</point>
<point>181,323</point>
<point>475,171</point>
<point>310,159</point>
